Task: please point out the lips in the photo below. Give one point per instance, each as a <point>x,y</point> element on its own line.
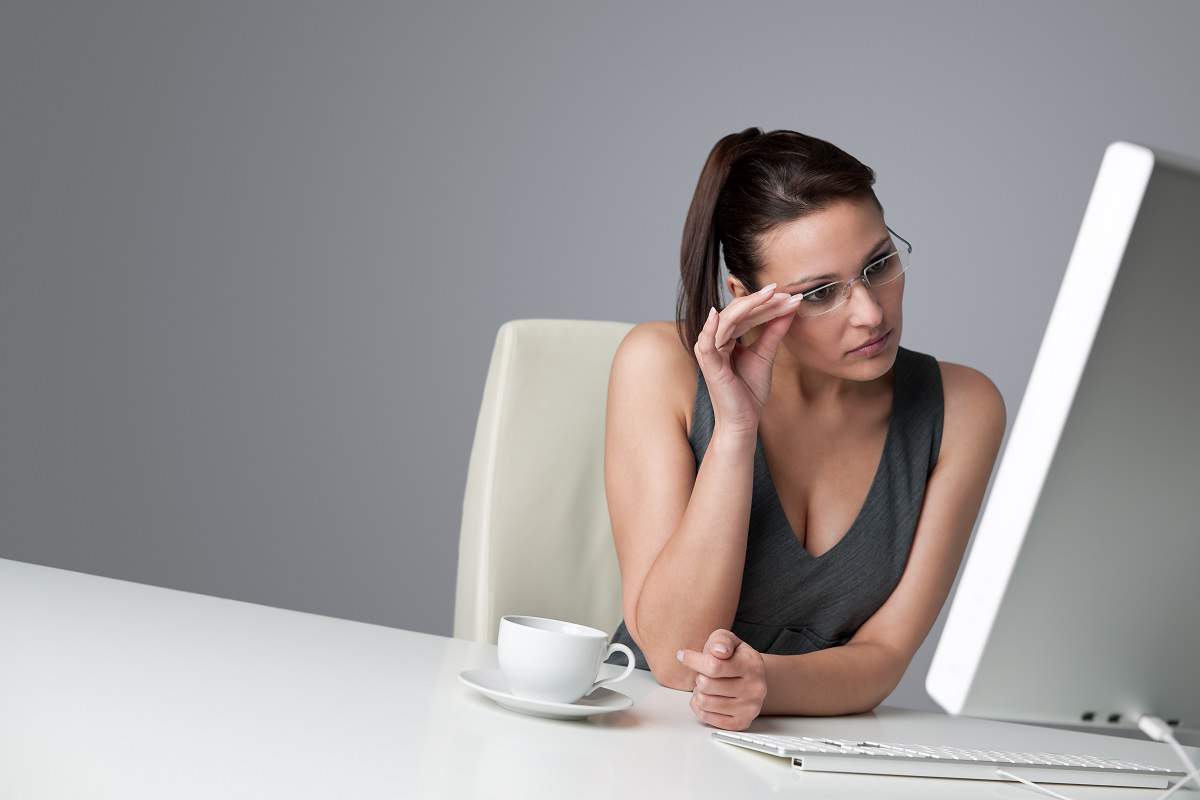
<point>873,341</point>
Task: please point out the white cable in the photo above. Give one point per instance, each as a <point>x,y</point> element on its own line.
<point>1032,785</point>
<point>1155,728</point>
<point>1178,785</point>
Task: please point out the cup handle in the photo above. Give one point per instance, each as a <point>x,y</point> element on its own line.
<point>614,648</point>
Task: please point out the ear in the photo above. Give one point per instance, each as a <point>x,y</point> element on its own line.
<point>735,287</point>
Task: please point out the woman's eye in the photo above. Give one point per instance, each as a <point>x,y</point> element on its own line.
<point>884,263</point>
<point>817,295</point>
<point>878,266</point>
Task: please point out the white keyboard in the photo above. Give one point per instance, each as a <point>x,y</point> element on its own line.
<point>890,758</point>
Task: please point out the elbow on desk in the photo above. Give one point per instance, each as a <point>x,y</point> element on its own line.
<point>868,707</point>
<point>670,673</point>
<point>667,671</point>
<point>874,701</point>
<point>683,680</point>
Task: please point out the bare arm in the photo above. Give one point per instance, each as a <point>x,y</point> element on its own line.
<point>681,533</point>
<point>861,674</point>
<point>677,529</point>
<point>850,679</point>
<point>707,550</point>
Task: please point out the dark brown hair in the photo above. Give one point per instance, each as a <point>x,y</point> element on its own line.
<point>751,182</point>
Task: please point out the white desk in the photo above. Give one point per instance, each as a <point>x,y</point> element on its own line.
<point>117,689</point>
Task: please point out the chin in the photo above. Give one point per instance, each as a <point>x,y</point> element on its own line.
<point>877,367</point>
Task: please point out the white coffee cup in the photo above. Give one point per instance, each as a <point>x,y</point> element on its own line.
<point>549,659</point>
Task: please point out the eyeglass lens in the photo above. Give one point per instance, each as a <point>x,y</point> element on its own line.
<point>878,273</point>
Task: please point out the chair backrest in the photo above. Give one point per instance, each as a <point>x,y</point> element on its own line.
<point>536,537</point>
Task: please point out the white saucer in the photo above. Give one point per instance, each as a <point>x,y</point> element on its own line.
<point>491,682</point>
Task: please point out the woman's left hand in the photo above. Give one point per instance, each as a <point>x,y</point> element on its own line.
<point>731,681</point>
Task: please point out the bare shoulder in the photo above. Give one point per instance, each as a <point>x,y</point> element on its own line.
<point>974,411</point>
<point>652,362</point>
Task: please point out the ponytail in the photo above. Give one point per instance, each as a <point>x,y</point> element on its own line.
<point>700,257</point>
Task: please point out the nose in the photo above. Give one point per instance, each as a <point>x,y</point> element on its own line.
<point>866,312</point>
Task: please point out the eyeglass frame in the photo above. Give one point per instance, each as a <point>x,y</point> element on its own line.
<point>863,277</point>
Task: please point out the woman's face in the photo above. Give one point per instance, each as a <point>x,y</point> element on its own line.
<point>837,243</point>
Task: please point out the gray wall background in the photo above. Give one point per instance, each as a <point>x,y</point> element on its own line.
<point>253,256</point>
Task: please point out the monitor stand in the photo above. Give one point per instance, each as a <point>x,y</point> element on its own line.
<point>1185,736</point>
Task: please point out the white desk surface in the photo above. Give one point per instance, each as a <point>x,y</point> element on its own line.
<point>116,689</point>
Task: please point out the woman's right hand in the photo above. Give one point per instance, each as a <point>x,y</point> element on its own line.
<point>739,377</point>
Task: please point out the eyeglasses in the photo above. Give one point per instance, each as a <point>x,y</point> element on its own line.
<point>879,272</point>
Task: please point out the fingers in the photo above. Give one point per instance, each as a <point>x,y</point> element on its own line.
<point>768,341</point>
<point>723,721</point>
<point>721,329</point>
<point>721,643</point>
<point>727,691</point>
<point>719,687</point>
<point>780,304</point>
<point>709,711</point>
<point>728,706</point>
<point>708,355</point>
<point>707,664</point>
<point>706,352</point>
<point>741,307</point>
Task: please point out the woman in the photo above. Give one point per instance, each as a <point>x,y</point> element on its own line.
<point>789,507</point>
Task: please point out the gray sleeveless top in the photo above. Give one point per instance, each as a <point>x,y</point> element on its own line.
<point>792,602</point>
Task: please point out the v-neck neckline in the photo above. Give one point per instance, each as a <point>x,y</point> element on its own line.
<point>872,491</point>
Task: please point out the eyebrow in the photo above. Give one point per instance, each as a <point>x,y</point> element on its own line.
<point>866,261</point>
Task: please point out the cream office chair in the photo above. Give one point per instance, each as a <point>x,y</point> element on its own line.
<point>536,537</point>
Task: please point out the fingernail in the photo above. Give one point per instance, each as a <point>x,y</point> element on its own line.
<point>720,649</point>
<point>679,655</point>
<point>767,288</point>
<point>711,312</point>
<point>793,300</point>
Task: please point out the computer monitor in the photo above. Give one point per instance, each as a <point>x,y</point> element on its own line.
<point>1079,602</point>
